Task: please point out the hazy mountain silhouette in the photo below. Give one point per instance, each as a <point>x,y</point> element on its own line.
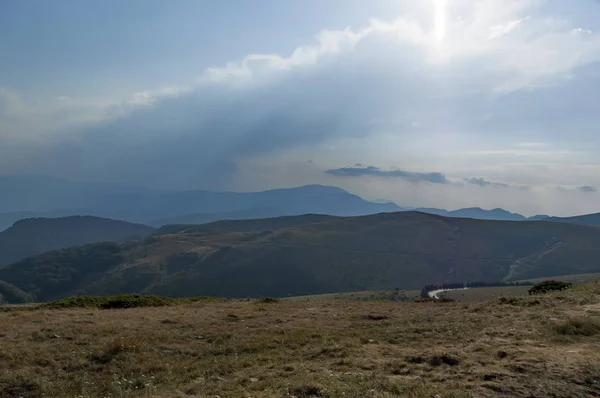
<point>43,196</point>
<point>38,196</point>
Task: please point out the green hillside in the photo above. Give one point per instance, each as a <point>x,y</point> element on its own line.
<point>49,275</point>
<point>12,294</point>
<point>586,219</point>
<point>396,250</point>
<point>38,235</point>
<point>260,224</point>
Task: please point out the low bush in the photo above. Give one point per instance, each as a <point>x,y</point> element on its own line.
<point>110,302</point>
<point>307,392</point>
<point>122,301</point>
<point>135,300</point>
<point>268,300</point>
<point>434,300</point>
<point>75,302</point>
<point>434,360</point>
<point>374,317</point>
<point>444,359</point>
<point>520,301</point>
<point>549,286</point>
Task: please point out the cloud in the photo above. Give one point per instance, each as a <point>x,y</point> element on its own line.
<point>482,182</point>
<point>534,145</point>
<point>436,178</point>
<point>588,189</point>
<point>46,119</point>
<point>499,57</point>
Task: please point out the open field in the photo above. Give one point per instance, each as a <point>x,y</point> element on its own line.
<point>486,293</point>
<point>523,347</point>
<point>367,295</point>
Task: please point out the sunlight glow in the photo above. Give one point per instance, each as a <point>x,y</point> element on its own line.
<point>439,22</point>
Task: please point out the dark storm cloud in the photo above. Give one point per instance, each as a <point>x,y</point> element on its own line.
<point>436,178</point>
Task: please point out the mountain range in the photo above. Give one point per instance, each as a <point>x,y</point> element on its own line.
<point>35,196</point>
<point>475,212</point>
<point>32,196</point>
<point>310,254</point>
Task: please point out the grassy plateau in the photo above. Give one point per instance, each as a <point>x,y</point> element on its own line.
<point>528,346</point>
<point>485,293</point>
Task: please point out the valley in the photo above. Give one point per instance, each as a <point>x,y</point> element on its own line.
<point>310,254</point>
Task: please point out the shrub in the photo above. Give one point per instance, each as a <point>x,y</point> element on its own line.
<point>135,300</point>
<point>444,359</point>
<point>75,302</point>
<point>548,286</point>
<point>524,302</point>
<point>110,302</point>
<point>434,360</point>
<point>415,359</point>
<point>372,317</point>
<point>268,300</point>
<point>122,301</point>
<point>434,300</point>
<point>307,392</point>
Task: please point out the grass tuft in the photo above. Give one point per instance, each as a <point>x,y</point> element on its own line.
<point>268,300</point>
<point>577,327</point>
<point>20,387</point>
<point>444,359</point>
<point>307,392</point>
<point>372,317</point>
<point>115,348</point>
<point>518,301</point>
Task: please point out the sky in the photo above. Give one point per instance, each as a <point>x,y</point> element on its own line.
<point>429,103</point>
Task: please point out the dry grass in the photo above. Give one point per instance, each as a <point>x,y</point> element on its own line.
<point>308,349</point>
<point>486,293</point>
<point>366,295</point>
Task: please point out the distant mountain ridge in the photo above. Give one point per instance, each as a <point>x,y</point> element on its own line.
<point>476,213</point>
<point>586,219</point>
<point>247,225</point>
<point>37,196</point>
<point>33,236</point>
